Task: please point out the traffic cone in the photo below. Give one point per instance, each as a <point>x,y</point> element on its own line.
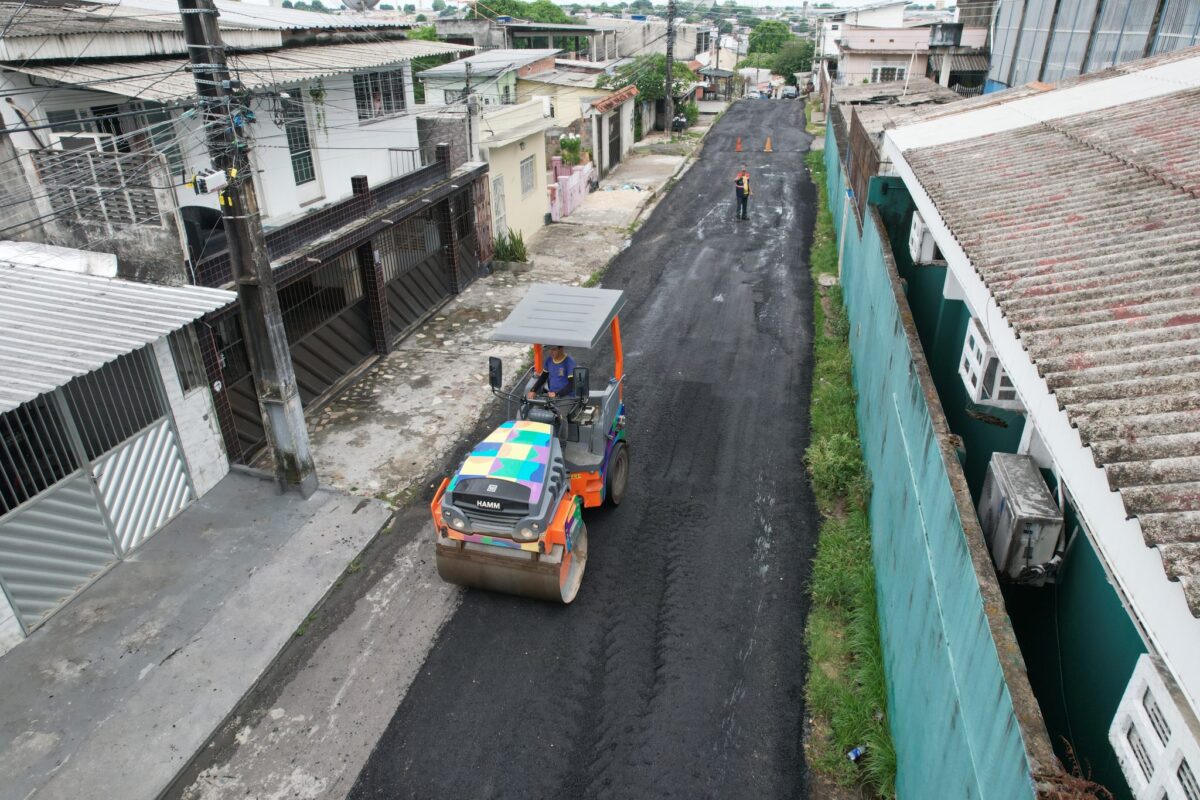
<point>768,149</point>
<point>738,148</point>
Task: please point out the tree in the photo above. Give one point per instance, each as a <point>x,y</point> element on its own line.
<point>287,3</point>
<point>386,7</point>
<point>726,27</point>
<point>409,8</point>
<point>317,5</point>
<point>448,11</point>
<point>649,74</point>
<point>796,56</point>
<point>769,37</point>
<point>425,34</point>
<point>422,18</point>
<point>757,61</point>
<point>645,6</point>
<point>438,5</point>
<point>747,21</point>
<point>537,11</point>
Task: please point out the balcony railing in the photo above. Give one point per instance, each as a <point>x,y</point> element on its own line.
<point>216,270</point>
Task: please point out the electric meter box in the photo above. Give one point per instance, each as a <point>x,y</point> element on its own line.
<point>1021,522</point>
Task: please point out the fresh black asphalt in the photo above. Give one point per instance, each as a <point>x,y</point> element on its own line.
<point>679,671</point>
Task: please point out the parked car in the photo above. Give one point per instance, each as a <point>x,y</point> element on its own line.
<point>790,93</point>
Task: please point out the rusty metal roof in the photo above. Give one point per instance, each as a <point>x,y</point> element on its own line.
<point>169,79</point>
<point>1086,230</point>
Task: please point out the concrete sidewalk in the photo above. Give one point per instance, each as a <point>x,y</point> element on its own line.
<point>117,692</point>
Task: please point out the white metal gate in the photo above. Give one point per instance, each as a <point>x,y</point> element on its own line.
<point>87,473</point>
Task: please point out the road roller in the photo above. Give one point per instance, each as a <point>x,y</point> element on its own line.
<point>510,519</point>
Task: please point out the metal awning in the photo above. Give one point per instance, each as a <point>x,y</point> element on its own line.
<point>59,325</point>
<point>170,79</point>
<point>566,315</point>
<point>960,62</point>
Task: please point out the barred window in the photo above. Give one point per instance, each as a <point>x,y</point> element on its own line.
<point>527,175</point>
<point>295,126</point>
<point>188,364</point>
<point>379,94</point>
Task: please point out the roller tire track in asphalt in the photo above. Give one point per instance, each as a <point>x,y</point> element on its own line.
<point>679,670</point>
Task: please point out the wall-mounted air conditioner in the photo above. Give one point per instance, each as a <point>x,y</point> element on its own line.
<point>1022,524</point>
<point>985,379</point>
<point>1155,738</point>
<point>921,246</point>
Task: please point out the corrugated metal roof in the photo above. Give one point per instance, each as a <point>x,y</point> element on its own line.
<point>262,17</point>
<point>564,77</point>
<point>491,62</point>
<point>169,79</point>
<point>1086,230</point>
<point>59,325</point>
<point>68,17</point>
<point>960,62</point>
<point>917,90</point>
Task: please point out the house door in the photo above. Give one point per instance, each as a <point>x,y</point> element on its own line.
<point>305,171</point>
<point>614,138</point>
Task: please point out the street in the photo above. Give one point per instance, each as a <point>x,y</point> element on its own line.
<point>679,671</point>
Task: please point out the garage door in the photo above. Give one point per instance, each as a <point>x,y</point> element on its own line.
<point>414,273</point>
<point>87,473</point>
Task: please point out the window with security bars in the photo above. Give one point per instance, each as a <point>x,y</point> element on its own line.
<point>107,188</point>
<point>111,404</point>
<point>408,244</point>
<point>299,141</point>
<point>189,366</point>
<point>527,181</point>
<point>311,301</point>
<point>379,94</point>
<point>35,451</point>
<point>884,74</point>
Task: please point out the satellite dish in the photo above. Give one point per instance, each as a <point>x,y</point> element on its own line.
<point>360,5</point>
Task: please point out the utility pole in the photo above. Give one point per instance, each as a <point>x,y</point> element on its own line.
<point>670,104</point>
<point>223,112</point>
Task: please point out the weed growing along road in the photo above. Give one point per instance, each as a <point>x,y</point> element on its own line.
<point>847,693</point>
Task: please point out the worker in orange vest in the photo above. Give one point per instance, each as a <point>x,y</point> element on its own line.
<point>741,185</point>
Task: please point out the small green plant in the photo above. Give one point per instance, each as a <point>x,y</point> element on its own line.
<point>303,629</point>
<point>570,145</point>
<point>692,112</point>
<point>511,247</point>
<point>836,465</point>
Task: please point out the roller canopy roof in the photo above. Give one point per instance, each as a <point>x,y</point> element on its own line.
<point>567,315</point>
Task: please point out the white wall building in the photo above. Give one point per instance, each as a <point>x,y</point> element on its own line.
<point>109,425</point>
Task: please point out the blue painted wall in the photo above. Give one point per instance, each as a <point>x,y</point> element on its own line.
<point>950,709</point>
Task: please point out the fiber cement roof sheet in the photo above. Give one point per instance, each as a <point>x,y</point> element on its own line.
<point>1086,230</point>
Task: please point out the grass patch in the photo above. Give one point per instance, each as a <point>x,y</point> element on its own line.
<point>594,279</point>
<point>303,629</point>
<point>846,692</point>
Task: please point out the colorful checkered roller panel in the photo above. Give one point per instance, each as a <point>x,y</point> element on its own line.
<point>518,451</point>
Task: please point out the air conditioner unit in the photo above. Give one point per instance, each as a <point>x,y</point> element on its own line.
<point>985,379</point>
<point>921,246</point>
<point>1155,737</point>
<point>1022,524</point>
<point>85,140</point>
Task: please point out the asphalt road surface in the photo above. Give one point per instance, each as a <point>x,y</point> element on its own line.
<point>679,671</point>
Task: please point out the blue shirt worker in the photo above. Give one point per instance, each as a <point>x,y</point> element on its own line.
<point>558,374</point>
